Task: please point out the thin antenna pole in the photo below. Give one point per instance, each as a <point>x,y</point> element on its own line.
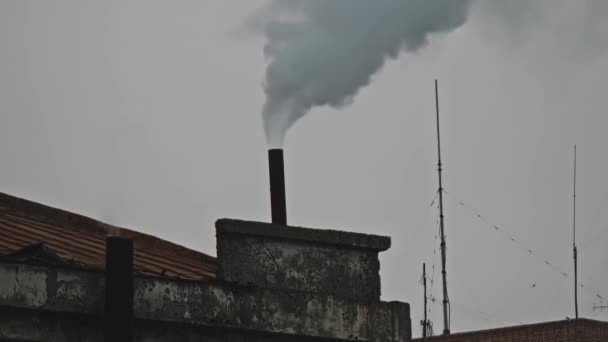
<point>425,322</point>
<point>574,252</point>
<point>446,321</point>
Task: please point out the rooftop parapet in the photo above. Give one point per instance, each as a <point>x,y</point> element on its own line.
<point>330,262</point>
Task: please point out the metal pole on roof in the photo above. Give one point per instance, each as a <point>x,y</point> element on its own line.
<point>446,301</point>
<point>118,315</point>
<point>574,251</point>
<point>426,325</point>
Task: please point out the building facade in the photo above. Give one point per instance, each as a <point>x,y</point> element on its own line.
<point>268,283</point>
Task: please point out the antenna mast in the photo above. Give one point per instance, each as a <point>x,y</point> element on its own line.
<point>574,240</point>
<point>427,327</point>
<point>446,301</point>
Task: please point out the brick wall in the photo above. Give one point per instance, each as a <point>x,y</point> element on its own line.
<point>580,330</point>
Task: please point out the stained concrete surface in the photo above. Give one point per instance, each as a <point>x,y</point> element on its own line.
<point>295,285</point>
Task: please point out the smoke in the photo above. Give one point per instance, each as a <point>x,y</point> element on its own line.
<point>559,30</point>
<point>322,52</point>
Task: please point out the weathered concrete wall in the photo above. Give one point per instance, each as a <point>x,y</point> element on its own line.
<point>38,325</point>
<point>24,325</point>
<point>275,283</point>
<point>198,305</point>
<point>277,311</point>
<point>51,289</point>
<point>301,259</point>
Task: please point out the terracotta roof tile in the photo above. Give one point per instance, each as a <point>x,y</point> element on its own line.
<point>572,330</point>
<point>79,239</point>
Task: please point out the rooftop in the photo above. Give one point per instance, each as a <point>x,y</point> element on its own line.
<point>581,329</point>
<point>33,232</point>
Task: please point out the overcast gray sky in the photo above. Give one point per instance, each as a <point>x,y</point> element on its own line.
<point>147,114</point>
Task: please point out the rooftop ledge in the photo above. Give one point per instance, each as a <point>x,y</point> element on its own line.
<point>322,236</point>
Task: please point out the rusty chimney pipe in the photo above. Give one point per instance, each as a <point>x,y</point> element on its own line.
<point>277,186</point>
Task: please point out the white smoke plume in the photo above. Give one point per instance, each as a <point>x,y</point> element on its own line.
<point>321,52</point>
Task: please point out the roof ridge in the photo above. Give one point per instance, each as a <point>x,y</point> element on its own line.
<point>34,210</point>
<point>69,220</point>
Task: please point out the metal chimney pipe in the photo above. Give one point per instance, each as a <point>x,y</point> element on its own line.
<point>118,316</point>
<point>277,186</point>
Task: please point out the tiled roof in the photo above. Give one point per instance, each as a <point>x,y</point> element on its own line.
<point>571,330</point>
<point>58,234</point>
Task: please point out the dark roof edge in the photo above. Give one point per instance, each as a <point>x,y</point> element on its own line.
<point>323,236</point>
<point>514,327</point>
<point>33,210</point>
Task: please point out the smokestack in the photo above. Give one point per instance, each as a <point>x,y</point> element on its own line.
<point>277,186</point>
